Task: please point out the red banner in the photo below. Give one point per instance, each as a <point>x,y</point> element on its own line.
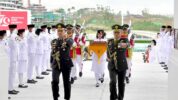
<point>13,17</point>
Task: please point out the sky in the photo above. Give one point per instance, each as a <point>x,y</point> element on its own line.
<point>164,7</point>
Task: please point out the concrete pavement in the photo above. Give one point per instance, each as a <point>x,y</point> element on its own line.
<point>148,82</point>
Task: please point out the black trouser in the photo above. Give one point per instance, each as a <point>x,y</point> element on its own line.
<point>114,77</point>
<point>66,80</point>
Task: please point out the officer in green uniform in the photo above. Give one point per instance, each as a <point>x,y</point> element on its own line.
<point>61,62</point>
<point>117,63</point>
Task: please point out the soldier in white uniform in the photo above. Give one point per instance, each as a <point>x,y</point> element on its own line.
<point>23,57</point>
<point>53,32</point>
<point>31,41</point>
<point>45,39</point>
<point>99,65</point>
<point>3,41</point>
<point>49,48</point>
<point>153,52</point>
<point>39,54</point>
<point>169,44</point>
<point>161,44</point>
<point>13,54</point>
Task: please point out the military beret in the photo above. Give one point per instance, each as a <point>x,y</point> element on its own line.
<point>53,26</point>
<point>2,32</point>
<point>12,26</point>
<point>77,26</point>
<point>21,30</point>
<point>48,28</point>
<point>163,26</point>
<point>38,31</point>
<point>169,26</point>
<point>44,26</point>
<point>69,26</point>
<point>31,26</point>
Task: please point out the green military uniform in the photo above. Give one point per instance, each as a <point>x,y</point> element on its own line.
<point>61,63</point>
<point>117,66</point>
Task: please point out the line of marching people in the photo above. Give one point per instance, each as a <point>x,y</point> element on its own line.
<point>160,48</point>
<point>28,52</point>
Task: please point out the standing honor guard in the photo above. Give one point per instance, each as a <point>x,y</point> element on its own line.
<point>99,62</point>
<point>46,50</point>
<point>79,40</point>
<point>61,62</point>
<point>23,57</point>
<point>117,63</point>
<point>39,54</point>
<point>13,53</point>
<point>31,42</point>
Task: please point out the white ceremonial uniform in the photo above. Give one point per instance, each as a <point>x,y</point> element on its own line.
<point>129,59</point>
<point>31,41</point>
<point>4,62</point>
<point>170,46</point>
<point>153,54</point>
<point>98,65</point>
<point>23,59</point>
<point>45,62</point>
<point>13,55</point>
<point>164,46</point>
<point>39,55</point>
<point>159,49</point>
<point>161,46</point>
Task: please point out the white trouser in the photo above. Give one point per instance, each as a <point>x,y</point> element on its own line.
<point>45,61</point>
<point>20,78</point>
<point>97,77</point>
<point>79,62</point>
<point>12,74</point>
<point>39,59</point>
<point>129,63</point>
<point>31,64</point>
<point>74,69</point>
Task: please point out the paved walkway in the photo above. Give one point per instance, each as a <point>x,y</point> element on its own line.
<point>148,82</point>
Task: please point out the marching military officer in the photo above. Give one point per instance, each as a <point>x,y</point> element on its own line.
<point>31,42</point>
<point>127,34</point>
<point>61,62</point>
<point>80,42</point>
<point>46,44</point>
<point>70,31</point>
<point>13,55</point>
<point>39,54</point>
<point>23,57</point>
<point>117,63</point>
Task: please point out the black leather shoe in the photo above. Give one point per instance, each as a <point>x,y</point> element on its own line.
<point>127,80</point>
<point>101,80</point>
<point>80,74</point>
<point>31,81</point>
<point>15,91</point>
<point>97,84</point>
<point>45,73</point>
<point>12,92</point>
<point>39,77</point>
<point>49,70</point>
<point>72,81</point>
<point>75,78</point>
<point>23,86</point>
